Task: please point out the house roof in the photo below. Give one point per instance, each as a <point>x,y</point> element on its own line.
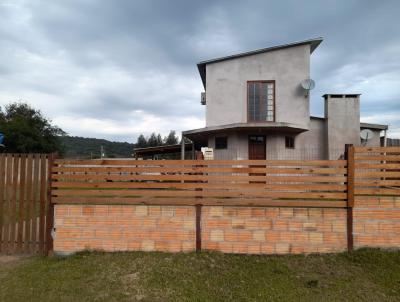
<point>202,65</point>
<point>373,126</point>
<point>241,126</point>
<point>166,149</point>
<point>202,134</point>
<point>341,95</point>
<point>362,125</point>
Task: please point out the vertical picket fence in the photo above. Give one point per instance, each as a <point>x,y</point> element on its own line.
<point>24,203</point>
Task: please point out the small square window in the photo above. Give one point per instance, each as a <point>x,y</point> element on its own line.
<point>221,142</point>
<point>289,142</point>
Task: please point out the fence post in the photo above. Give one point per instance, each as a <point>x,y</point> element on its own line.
<point>198,227</point>
<point>50,206</point>
<point>349,156</point>
<point>198,207</point>
<point>2,196</point>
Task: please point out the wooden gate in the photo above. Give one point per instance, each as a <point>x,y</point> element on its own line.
<point>24,203</point>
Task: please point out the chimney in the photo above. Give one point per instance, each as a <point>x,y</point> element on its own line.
<point>342,115</point>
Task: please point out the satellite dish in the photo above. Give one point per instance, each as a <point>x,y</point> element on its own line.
<point>366,134</point>
<point>307,85</point>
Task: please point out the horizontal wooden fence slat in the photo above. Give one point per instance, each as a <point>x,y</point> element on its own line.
<point>389,158</point>
<point>178,185</point>
<point>377,171</point>
<point>324,163</point>
<point>387,166</point>
<point>220,193</point>
<point>377,191</point>
<point>185,177</point>
<point>226,182</point>
<point>377,182</point>
<point>369,174</point>
<point>377,149</point>
<point>204,201</point>
<point>200,170</point>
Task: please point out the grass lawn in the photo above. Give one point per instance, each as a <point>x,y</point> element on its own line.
<point>365,275</point>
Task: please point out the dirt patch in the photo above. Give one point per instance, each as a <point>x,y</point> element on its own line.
<point>8,258</point>
<point>11,260</point>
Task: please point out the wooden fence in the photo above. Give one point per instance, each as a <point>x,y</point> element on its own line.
<point>175,182</point>
<point>24,201</point>
<point>377,171</point>
<point>31,183</point>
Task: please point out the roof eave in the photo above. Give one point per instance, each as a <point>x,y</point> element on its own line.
<point>374,126</point>
<point>314,43</point>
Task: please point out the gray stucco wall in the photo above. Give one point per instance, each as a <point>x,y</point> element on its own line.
<point>226,90</point>
<point>234,150</point>
<point>342,123</point>
<point>309,145</point>
<point>313,140</point>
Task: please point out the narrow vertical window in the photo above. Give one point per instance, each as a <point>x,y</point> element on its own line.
<point>261,101</point>
<point>289,142</point>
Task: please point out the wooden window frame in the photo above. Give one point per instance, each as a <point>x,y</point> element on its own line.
<point>247,97</point>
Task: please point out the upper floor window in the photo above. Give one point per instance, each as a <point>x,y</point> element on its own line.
<point>261,101</point>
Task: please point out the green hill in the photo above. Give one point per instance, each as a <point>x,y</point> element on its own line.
<point>82,147</point>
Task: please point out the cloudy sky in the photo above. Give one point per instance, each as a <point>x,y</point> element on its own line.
<point>115,69</point>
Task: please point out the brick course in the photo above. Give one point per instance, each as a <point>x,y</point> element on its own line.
<point>123,228</point>
<point>273,230</point>
<point>253,230</point>
<point>377,222</point>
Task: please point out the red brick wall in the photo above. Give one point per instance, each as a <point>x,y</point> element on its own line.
<point>226,229</point>
<point>122,228</point>
<point>377,222</point>
<point>251,230</point>
<point>274,230</point>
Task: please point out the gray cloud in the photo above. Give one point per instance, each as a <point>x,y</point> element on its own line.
<point>127,67</point>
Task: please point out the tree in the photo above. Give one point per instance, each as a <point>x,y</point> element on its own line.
<point>186,140</point>
<point>171,139</point>
<point>26,130</point>
<point>152,141</point>
<point>141,142</point>
<point>159,140</point>
<point>156,140</point>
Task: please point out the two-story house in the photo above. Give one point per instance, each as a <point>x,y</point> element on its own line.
<point>256,108</point>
